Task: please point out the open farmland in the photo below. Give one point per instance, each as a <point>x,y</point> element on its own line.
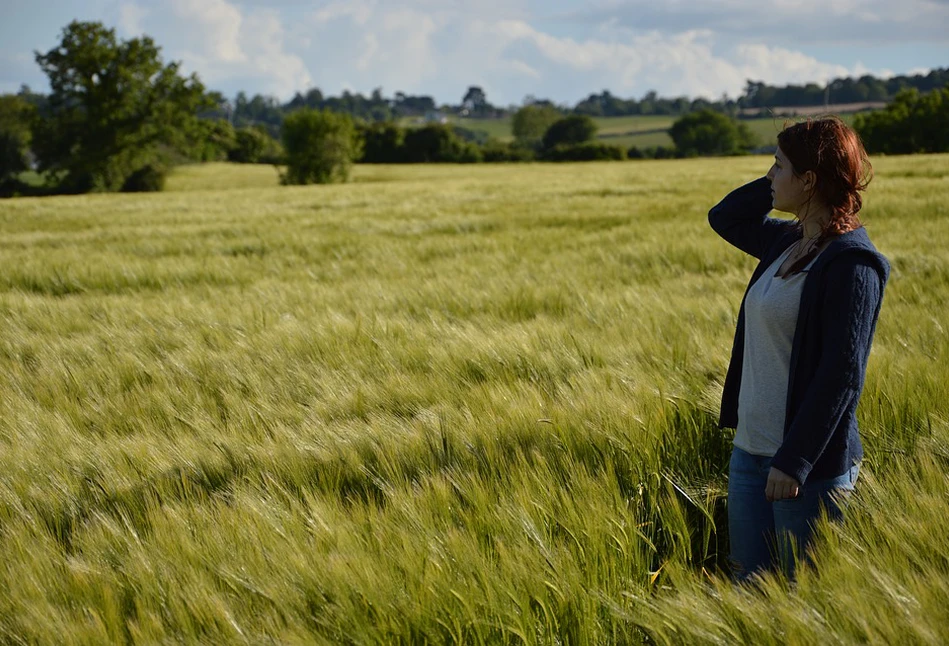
<point>470,404</point>
<point>644,131</point>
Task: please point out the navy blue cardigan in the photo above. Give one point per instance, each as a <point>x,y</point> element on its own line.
<point>840,304</point>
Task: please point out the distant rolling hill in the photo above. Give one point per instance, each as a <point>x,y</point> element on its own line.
<point>645,131</point>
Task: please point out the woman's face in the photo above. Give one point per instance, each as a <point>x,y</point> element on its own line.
<point>788,191</point>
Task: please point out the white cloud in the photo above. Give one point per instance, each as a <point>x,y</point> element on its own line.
<point>678,64</point>
<point>263,36</point>
<point>513,48</point>
<point>523,68</point>
<point>223,44</point>
<point>370,45</point>
<point>789,23</point>
<point>755,60</point>
<point>360,12</point>
<point>214,26</point>
<point>362,40</point>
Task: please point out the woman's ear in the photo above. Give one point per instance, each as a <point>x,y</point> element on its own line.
<point>810,181</point>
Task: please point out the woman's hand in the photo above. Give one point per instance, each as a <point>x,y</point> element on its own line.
<point>780,486</point>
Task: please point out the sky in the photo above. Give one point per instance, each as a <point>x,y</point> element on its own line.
<point>562,50</point>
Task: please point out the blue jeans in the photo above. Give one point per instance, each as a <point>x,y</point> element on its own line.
<point>766,535</point>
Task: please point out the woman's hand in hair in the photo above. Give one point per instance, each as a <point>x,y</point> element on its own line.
<point>780,486</point>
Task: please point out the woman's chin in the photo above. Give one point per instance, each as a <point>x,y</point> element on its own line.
<point>783,208</point>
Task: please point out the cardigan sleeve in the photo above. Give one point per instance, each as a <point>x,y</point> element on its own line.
<point>849,310</point>
<point>741,218</point>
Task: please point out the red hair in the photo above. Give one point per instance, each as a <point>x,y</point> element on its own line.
<point>834,153</point>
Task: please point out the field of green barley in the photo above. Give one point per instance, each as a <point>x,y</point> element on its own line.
<point>439,404</point>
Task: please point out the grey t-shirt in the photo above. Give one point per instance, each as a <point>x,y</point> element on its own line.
<point>771,311</point>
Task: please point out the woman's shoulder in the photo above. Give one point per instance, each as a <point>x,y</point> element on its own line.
<point>855,248</point>
<point>850,258</point>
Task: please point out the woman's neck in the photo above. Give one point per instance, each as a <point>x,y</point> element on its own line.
<point>814,219</point>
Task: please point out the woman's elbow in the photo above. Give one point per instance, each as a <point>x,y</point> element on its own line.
<point>715,218</point>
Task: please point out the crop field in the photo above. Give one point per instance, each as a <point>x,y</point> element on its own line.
<point>439,404</point>
<point>644,131</point>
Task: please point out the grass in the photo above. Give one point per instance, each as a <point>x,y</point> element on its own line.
<point>617,130</point>
<point>647,131</point>
<point>467,404</point>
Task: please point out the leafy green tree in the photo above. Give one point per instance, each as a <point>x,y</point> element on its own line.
<point>273,151</point>
<point>413,105</point>
<point>113,107</point>
<point>12,157</point>
<point>15,118</point>
<point>475,101</point>
<point>710,133</point>
<point>250,144</point>
<point>531,122</point>
<point>382,143</point>
<point>912,123</point>
<point>148,178</point>
<point>321,147</point>
<point>438,143</point>
<point>213,140</point>
<point>569,131</point>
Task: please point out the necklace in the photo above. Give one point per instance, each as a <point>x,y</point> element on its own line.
<point>805,249</point>
<point>801,249</point>
<point>806,244</point>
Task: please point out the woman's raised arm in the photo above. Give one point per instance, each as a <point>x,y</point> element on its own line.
<point>741,218</point>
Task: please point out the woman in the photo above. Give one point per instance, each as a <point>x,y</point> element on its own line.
<point>803,337</point>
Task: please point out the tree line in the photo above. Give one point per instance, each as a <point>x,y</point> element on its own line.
<point>117,117</point>
<point>841,90</point>
<point>269,111</point>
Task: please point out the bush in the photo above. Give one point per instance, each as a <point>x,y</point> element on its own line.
<point>254,145</point>
<point>479,137</point>
<point>469,154</point>
<point>13,187</point>
<point>16,117</point>
<point>438,143</point>
<point>500,151</point>
<point>13,155</point>
<point>652,152</point>
<point>587,151</point>
<point>274,153</point>
<point>531,122</point>
<point>147,179</point>
<point>214,139</point>
<point>383,143</point>
<point>912,123</point>
<point>249,146</point>
<point>707,132</point>
<point>575,129</point>
<point>321,147</point>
